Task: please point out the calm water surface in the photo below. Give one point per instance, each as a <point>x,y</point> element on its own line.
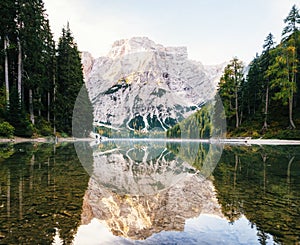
<point>149,193</point>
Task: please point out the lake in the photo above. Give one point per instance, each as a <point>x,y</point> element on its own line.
<point>131,192</point>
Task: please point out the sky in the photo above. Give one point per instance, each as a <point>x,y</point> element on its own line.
<point>214,31</point>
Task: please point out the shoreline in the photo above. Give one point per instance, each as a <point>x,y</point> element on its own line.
<point>225,141</point>
<point>16,140</point>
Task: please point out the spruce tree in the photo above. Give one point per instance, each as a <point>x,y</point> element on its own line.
<point>289,51</point>
<point>26,58</point>
<point>7,36</point>
<point>229,88</point>
<point>281,70</point>
<point>69,80</point>
<point>265,61</point>
<point>292,21</point>
<point>252,89</point>
<point>32,32</point>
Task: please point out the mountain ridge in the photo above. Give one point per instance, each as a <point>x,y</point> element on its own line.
<point>141,85</point>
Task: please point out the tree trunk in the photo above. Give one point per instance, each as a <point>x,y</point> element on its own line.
<point>236,109</point>
<point>254,108</point>
<point>266,107</point>
<point>48,106</point>
<point>54,103</point>
<point>31,107</point>
<point>40,103</point>
<point>291,122</point>
<point>20,71</point>
<point>241,117</point>
<point>6,71</point>
<point>249,109</point>
<point>291,113</point>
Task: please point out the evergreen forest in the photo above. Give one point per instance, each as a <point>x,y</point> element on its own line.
<point>39,79</point>
<point>261,100</point>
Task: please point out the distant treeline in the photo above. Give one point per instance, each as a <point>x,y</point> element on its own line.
<point>39,79</point>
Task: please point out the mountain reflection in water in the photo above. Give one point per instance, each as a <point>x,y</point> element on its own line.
<point>159,193</point>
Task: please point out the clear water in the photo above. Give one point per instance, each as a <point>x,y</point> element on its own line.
<point>49,196</point>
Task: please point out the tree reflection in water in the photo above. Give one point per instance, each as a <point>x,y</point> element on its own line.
<point>47,193</point>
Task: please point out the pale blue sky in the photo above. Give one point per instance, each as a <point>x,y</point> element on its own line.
<point>213,30</point>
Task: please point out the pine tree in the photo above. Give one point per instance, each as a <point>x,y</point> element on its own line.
<point>229,88</point>
<point>7,35</point>
<point>31,23</point>
<point>252,88</point>
<point>27,57</point>
<point>289,35</point>
<point>16,116</point>
<point>69,80</point>
<point>280,71</point>
<point>266,59</point>
<point>291,20</point>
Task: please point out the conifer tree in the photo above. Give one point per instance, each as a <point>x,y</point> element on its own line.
<point>229,87</point>
<point>27,58</point>
<point>69,80</point>
<point>280,70</point>
<point>32,29</point>
<point>292,21</point>
<point>252,89</point>
<point>7,34</point>
<point>266,59</point>
<point>289,49</point>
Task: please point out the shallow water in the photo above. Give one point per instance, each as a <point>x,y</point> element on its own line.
<point>149,193</point>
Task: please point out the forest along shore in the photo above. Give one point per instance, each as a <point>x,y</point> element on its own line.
<point>236,141</point>
<point>41,140</point>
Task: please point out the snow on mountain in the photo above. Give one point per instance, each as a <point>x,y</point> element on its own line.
<point>141,85</point>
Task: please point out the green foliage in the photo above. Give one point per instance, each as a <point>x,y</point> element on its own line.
<point>291,20</point>
<point>268,100</point>
<point>6,129</point>
<point>17,116</point>
<point>30,58</point>
<point>6,150</point>
<point>229,87</point>
<point>137,123</point>
<point>2,102</point>
<point>198,125</point>
<point>69,80</point>
<point>117,87</point>
<point>34,72</point>
<point>283,65</point>
<point>43,127</point>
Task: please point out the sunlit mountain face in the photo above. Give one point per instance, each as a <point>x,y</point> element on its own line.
<point>141,85</point>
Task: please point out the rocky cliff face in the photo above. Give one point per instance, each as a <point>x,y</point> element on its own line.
<point>138,217</point>
<point>141,85</point>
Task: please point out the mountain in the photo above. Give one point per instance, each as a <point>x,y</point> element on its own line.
<point>141,85</point>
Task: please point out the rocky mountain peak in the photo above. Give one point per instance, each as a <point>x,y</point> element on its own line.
<point>142,44</point>
<point>141,85</point>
